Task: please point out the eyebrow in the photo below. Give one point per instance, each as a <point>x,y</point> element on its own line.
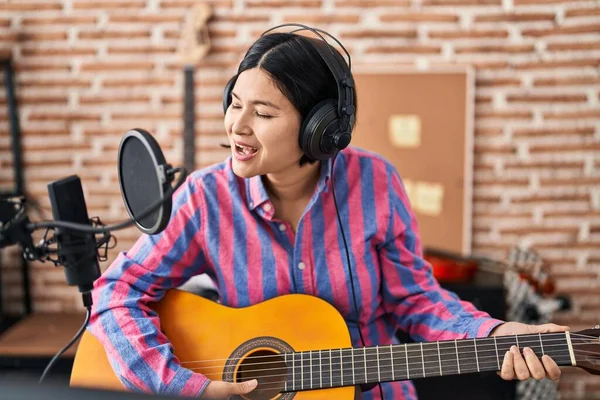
<point>263,102</point>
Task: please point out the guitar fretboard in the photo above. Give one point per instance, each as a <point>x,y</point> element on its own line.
<point>318,369</point>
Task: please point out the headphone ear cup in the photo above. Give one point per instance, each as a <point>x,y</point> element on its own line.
<point>317,130</point>
<point>227,93</point>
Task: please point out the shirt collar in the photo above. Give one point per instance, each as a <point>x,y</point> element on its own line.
<point>256,192</point>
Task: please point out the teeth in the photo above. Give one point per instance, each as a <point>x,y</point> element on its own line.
<point>245,149</point>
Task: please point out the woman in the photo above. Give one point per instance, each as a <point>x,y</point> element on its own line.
<point>263,224</point>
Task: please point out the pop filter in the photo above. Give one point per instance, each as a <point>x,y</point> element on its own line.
<point>144,177</point>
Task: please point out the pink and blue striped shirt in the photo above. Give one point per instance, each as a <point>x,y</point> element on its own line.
<point>224,226</point>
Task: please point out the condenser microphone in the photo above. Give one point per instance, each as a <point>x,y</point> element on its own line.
<point>77,251</point>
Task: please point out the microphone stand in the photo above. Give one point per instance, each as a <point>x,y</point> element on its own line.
<point>16,228</point>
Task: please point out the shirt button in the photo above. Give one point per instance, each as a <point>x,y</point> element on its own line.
<point>251,205</point>
<point>281,227</point>
<point>267,207</point>
<point>301,265</point>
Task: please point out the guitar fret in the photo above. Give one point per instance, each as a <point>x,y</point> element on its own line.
<point>311,374</point>
<point>476,355</point>
<point>294,371</point>
<point>422,358</point>
<point>541,344</point>
<point>365,355</point>
<point>407,366</point>
<point>301,371</point>
<point>353,376</point>
<point>330,369</point>
<point>440,358</point>
<point>286,368</point>
<point>457,361</point>
<point>342,368</point>
<point>378,365</point>
<point>392,361</point>
<point>497,355</point>
<point>320,371</point>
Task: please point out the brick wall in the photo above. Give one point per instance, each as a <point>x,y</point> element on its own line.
<point>88,70</point>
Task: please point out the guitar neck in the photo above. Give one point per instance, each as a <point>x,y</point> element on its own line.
<point>319,369</point>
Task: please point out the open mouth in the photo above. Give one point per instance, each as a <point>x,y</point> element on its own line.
<point>245,150</point>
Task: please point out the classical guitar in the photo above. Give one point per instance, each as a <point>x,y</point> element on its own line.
<point>298,346</point>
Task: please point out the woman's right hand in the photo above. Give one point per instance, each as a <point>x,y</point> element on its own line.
<point>219,390</point>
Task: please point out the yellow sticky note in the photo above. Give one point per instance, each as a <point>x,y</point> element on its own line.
<point>405,130</point>
<point>429,198</point>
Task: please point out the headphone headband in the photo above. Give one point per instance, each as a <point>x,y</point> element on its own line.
<point>339,69</point>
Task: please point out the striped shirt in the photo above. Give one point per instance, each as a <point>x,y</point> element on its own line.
<point>224,226</point>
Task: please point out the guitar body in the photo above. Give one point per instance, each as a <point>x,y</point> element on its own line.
<point>201,330</point>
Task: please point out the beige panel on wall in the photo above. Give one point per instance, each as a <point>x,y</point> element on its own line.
<point>422,121</point>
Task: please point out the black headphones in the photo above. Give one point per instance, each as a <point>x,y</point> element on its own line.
<point>328,126</point>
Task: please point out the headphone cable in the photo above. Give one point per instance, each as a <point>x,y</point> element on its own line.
<point>362,339</point>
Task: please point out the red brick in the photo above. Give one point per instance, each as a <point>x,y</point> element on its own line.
<point>31,6</point>
<point>482,3</point>
<point>496,82</point>
<point>505,115</point>
<point>189,3</point>
<point>42,36</point>
<point>113,99</point>
<point>547,98</point>
<point>335,18</point>
<point>116,66</point>
<point>110,34</point>
<point>583,12</point>
<point>495,149</point>
<point>572,114</point>
<point>149,49</point>
<point>515,17</point>
<point>589,62</point>
<point>372,3</point>
<point>379,33</point>
<point>141,81</point>
<point>515,48</point>
<point>570,182</point>
<point>564,147</point>
<point>407,49</point>
<point>562,30</point>
<point>144,18</point>
<point>418,17</point>
<point>283,3</point>
<point>49,51</point>
<point>108,5</point>
<point>471,34</point>
<point>59,20</point>
<point>573,46</point>
<point>571,80</point>
<point>574,131</point>
<point>488,132</point>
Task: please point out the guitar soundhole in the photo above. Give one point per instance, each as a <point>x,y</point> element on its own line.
<point>268,368</point>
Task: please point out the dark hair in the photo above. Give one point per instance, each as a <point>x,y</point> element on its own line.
<point>296,68</point>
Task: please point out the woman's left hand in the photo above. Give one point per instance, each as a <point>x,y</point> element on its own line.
<point>527,365</point>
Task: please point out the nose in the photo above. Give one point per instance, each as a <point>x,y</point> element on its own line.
<point>240,124</point>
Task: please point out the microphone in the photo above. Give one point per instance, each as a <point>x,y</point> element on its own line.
<point>77,252</point>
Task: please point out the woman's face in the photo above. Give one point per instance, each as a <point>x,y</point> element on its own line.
<point>262,126</point>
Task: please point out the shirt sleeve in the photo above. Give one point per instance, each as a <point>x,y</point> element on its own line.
<point>420,306</point>
<point>138,351</point>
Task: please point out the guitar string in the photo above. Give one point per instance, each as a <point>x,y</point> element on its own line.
<point>407,346</point>
<point>279,385</point>
<point>435,369</point>
<point>482,359</point>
